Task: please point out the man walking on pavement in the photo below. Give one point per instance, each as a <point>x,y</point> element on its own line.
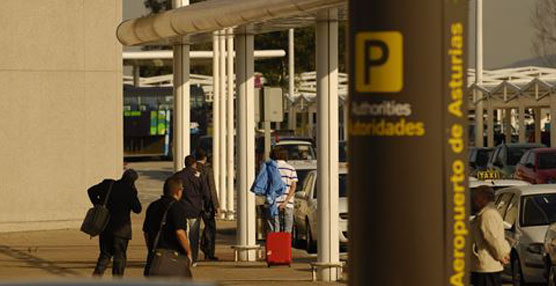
<point>113,241</point>
<point>286,201</point>
<point>173,235</point>
<point>208,240</point>
<point>195,194</point>
<point>490,250</point>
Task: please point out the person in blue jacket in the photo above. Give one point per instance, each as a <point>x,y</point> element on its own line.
<point>269,184</point>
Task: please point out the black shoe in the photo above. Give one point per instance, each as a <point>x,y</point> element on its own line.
<point>212,258</point>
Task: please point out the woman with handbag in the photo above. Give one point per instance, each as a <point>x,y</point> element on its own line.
<point>165,232</point>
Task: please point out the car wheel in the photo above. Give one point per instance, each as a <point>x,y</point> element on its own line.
<point>311,244</point>
<point>517,274</point>
<point>297,242</point>
<point>551,279</point>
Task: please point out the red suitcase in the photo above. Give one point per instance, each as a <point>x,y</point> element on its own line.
<point>278,248</point>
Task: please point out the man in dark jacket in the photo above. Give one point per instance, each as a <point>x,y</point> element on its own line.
<point>113,241</point>
<point>195,194</point>
<point>208,240</point>
<point>173,234</point>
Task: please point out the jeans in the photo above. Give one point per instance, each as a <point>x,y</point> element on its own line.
<point>281,223</point>
<point>112,246</point>
<point>193,233</point>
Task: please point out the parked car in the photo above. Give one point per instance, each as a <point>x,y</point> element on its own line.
<point>496,185</point>
<point>478,158</point>
<point>527,212</point>
<point>506,156</point>
<point>306,216</point>
<point>537,166</point>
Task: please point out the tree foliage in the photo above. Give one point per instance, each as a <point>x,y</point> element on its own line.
<point>544,21</point>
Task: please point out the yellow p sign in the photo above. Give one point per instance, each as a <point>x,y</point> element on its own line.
<point>379,62</point>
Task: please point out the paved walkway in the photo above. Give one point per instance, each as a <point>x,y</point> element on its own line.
<point>70,253</point>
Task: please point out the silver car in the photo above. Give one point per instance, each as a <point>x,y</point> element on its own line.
<point>306,217</point>
<point>527,212</point>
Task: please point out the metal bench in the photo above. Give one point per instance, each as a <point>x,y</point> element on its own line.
<point>238,248</point>
<point>338,265</point>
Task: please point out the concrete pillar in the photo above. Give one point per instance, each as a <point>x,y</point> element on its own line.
<point>327,124</point>
<point>216,113</point>
<point>136,76</point>
<point>223,171</point>
<point>182,126</point>
<point>230,127</point>
<point>490,125</point>
<point>521,119</point>
<point>537,114</point>
<point>246,229</point>
<point>508,124</point>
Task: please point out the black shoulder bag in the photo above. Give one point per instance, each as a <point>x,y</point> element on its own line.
<point>168,262</point>
<point>97,217</point>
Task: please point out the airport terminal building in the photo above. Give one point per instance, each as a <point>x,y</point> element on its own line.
<point>61,78</point>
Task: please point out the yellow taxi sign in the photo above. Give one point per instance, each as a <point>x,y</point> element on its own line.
<point>379,62</point>
<point>489,175</point>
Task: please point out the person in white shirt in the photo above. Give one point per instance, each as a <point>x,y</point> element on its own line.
<point>286,201</point>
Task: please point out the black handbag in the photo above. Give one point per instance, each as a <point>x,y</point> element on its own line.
<point>168,262</point>
<point>97,217</point>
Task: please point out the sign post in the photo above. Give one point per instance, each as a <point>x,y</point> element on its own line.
<point>408,194</point>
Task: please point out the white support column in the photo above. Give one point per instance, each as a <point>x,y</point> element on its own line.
<point>230,127</point>
<point>181,99</point>
<point>521,118</point>
<point>508,124</point>
<point>327,169</point>
<point>537,114</point>
<point>136,76</point>
<point>552,119</point>
<point>490,125</point>
<point>291,79</point>
<point>216,114</point>
<point>479,108</point>
<point>223,158</point>
<point>345,113</point>
<point>292,116</point>
<point>245,65</point>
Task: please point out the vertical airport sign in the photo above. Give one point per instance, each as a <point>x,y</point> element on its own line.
<point>408,193</point>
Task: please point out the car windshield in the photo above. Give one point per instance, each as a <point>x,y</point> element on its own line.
<point>342,187</point>
<point>343,152</point>
<point>482,158</point>
<point>301,175</point>
<point>547,160</point>
<point>515,154</point>
<point>299,152</point>
<point>539,210</point>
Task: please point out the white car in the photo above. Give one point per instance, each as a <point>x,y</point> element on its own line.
<point>298,151</point>
<point>527,212</point>
<point>306,217</point>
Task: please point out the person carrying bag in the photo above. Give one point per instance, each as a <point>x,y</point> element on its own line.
<point>165,231</point>
<point>168,262</point>
<point>97,217</point>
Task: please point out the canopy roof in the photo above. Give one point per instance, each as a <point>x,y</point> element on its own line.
<point>195,23</point>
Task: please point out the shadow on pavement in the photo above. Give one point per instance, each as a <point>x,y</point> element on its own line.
<point>36,262</point>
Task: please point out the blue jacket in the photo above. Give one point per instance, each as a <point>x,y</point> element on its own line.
<point>269,184</point>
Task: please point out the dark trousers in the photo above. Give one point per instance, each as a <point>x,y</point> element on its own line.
<point>208,239</point>
<point>486,279</point>
<point>112,247</point>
